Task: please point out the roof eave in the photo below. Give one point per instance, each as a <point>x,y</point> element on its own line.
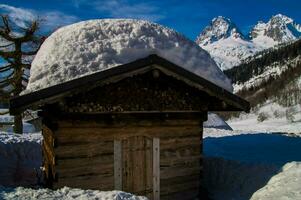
<point>40,97</point>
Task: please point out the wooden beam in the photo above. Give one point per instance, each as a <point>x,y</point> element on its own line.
<point>156,168</point>
<point>117,165</point>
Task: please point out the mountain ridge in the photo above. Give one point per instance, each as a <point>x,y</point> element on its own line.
<point>229,47</point>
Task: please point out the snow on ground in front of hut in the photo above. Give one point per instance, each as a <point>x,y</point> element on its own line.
<point>91,46</point>
<point>283,186</point>
<point>64,193</point>
<point>252,165</point>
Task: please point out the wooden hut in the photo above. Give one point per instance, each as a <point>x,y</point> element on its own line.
<point>136,127</point>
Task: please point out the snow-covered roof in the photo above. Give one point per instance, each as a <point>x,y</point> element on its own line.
<point>91,46</point>
<point>215,121</point>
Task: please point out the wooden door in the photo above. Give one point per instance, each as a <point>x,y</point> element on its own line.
<point>137,171</point>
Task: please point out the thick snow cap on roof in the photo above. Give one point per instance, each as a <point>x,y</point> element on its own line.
<point>91,46</point>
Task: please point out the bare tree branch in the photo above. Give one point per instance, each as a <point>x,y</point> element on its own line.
<point>9,54</point>
<point>6,68</point>
<point>4,112</point>
<point>7,45</point>
<point>5,30</point>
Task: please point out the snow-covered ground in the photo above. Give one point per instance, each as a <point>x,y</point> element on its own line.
<point>283,186</point>
<point>270,117</point>
<point>65,193</point>
<point>251,165</point>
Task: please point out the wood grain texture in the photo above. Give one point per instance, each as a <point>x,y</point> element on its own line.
<point>86,152</point>
<point>70,135</point>
<point>117,164</point>
<point>97,182</point>
<point>49,156</point>
<point>137,165</point>
<point>156,169</point>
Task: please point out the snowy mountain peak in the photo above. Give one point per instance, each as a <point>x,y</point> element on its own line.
<point>229,47</point>
<point>219,28</point>
<point>282,18</point>
<point>279,28</point>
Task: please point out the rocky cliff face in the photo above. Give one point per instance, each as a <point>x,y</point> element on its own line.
<point>219,28</point>
<point>279,28</point>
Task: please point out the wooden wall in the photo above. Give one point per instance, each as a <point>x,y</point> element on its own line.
<point>80,153</point>
<point>49,156</point>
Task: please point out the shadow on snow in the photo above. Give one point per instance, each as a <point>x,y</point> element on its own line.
<point>237,166</point>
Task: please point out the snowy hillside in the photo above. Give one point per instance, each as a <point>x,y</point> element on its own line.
<point>229,47</point>
<point>270,117</point>
<point>274,70</point>
<point>91,46</point>
<point>229,52</point>
<point>272,84</point>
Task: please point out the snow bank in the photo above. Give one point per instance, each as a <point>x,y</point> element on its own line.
<point>283,186</point>
<point>65,193</point>
<point>229,179</point>
<point>215,121</point>
<point>20,159</point>
<point>90,46</point>
<point>240,165</point>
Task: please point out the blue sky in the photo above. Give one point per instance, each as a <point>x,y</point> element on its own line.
<point>186,16</point>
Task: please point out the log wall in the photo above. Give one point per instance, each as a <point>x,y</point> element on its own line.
<point>49,156</point>
<point>83,152</point>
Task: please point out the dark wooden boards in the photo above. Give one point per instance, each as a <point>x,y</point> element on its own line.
<point>98,151</point>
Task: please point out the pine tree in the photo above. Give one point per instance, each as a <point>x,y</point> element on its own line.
<point>18,45</point>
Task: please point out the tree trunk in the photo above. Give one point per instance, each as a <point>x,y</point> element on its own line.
<point>18,124</point>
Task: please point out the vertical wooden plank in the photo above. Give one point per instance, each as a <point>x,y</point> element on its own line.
<point>117,165</point>
<point>149,167</point>
<point>200,192</point>
<point>156,168</point>
<point>126,166</point>
<point>139,169</point>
